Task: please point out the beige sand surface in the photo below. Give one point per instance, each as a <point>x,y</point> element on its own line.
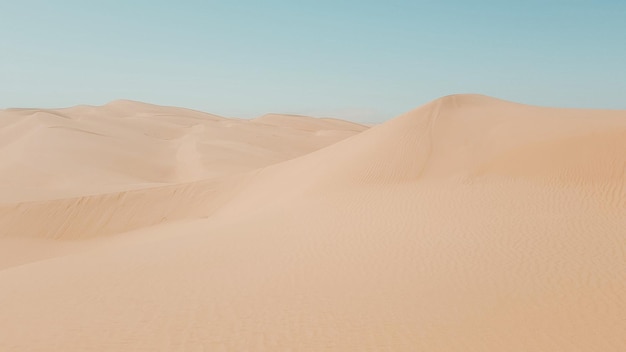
<point>50,154</point>
<point>468,224</point>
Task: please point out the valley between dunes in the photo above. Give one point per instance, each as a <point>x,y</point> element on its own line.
<point>467,224</point>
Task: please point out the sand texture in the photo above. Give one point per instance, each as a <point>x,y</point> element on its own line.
<point>467,224</point>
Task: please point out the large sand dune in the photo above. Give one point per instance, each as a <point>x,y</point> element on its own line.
<point>468,224</point>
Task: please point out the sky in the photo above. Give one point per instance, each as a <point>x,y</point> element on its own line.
<point>364,60</point>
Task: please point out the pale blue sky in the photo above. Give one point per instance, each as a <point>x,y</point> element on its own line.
<point>363,60</point>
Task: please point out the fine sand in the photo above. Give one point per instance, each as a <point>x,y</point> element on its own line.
<point>467,224</point>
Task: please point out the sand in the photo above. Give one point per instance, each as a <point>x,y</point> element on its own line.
<point>467,224</point>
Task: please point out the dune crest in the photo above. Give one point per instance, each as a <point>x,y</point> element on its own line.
<point>466,139</point>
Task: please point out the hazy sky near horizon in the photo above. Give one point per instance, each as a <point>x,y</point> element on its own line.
<point>362,60</point>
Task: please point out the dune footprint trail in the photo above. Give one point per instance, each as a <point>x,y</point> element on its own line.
<point>468,224</point>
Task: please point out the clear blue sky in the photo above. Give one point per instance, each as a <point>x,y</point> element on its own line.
<point>364,60</point>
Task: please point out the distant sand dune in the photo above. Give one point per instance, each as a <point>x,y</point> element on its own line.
<point>468,224</point>
<point>50,154</point>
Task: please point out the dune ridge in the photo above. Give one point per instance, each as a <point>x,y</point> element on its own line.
<point>467,139</point>
<point>467,224</point>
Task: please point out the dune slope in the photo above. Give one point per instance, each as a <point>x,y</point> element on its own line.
<point>60,153</point>
<point>468,224</point>
<point>83,172</point>
<point>86,171</point>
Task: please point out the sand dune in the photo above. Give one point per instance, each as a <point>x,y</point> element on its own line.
<point>465,139</point>
<point>51,154</point>
<point>86,171</point>
<point>468,224</point>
